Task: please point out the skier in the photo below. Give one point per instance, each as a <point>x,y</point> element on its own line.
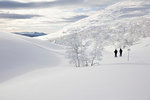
<point>120,51</point>
<point>115,52</point>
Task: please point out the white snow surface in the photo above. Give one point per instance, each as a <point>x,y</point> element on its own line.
<point>41,72</point>
<point>19,55</point>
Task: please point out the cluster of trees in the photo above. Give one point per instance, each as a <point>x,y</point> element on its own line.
<point>127,34</point>
<point>84,51</point>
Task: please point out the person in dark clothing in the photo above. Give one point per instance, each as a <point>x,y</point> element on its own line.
<point>120,51</point>
<point>115,52</point>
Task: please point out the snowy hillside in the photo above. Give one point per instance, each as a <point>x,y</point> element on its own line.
<point>113,79</point>
<point>125,15</point>
<point>121,25</point>
<point>19,55</point>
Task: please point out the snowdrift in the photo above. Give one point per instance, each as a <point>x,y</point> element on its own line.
<point>19,55</point>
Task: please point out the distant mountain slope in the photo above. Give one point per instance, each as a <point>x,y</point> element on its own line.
<point>30,34</point>
<point>123,14</point>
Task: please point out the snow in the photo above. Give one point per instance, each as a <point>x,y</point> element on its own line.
<point>33,69</point>
<point>138,53</point>
<point>114,79</point>
<point>125,82</point>
<point>19,55</point>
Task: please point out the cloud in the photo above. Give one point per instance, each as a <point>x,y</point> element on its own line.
<point>142,8</point>
<point>75,18</point>
<point>57,3</point>
<point>67,20</point>
<point>17,16</point>
<point>22,5</point>
<point>10,4</point>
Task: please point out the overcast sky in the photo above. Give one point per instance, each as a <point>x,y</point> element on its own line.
<point>47,16</point>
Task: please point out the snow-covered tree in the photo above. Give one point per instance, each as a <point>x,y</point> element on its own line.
<point>74,50</point>
<point>96,52</point>
<point>84,51</point>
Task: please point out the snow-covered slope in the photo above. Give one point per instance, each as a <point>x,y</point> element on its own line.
<point>138,53</point>
<point>114,79</point>
<point>122,13</point>
<point>20,54</point>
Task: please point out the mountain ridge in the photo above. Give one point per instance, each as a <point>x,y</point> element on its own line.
<point>122,12</point>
